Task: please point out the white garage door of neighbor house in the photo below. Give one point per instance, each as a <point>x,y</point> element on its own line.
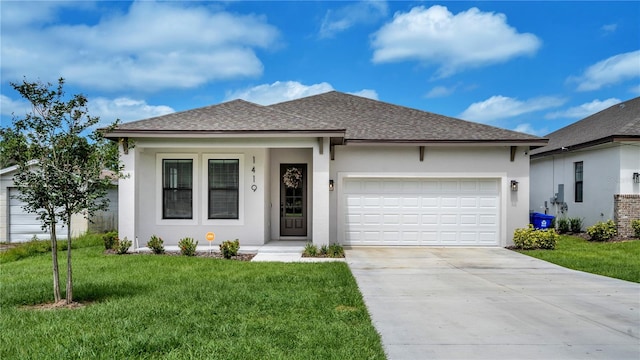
<point>403,211</point>
<point>23,226</point>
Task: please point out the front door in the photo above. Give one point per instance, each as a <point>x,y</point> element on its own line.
<point>293,199</point>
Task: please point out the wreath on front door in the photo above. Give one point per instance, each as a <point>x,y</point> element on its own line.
<point>292,178</point>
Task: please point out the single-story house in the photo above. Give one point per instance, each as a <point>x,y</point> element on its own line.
<point>328,168</point>
<point>590,169</point>
<point>17,225</point>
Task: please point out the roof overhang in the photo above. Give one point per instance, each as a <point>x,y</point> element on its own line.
<point>576,147</point>
<point>528,142</point>
<point>179,134</point>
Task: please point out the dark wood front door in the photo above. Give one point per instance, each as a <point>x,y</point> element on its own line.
<point>293,199</point>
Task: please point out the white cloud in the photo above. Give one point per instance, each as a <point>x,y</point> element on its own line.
<point>368,93</point>
<point>584,110</point>
<point>635,90</point>
<point>500,107</point>
<point>125,109</point>
<point>615,69</point>
<point>609,28</point>
<point>440,91</point>
<point>153,46</point>
<point>279,91</point>
<point>341,19</point>
<point>10,107</point>
<point>468,39</point>
<point>529,129</point>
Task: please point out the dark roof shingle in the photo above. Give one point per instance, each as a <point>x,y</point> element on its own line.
<point>620,120</point>
<point>235,115</point>
<point>359,118</point>
<point>367,119</point>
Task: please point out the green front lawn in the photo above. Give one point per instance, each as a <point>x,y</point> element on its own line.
<point>619,260</point>
<point>176,307</point>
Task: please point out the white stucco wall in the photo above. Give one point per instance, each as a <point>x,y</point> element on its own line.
<point>629,164</point>
<point>5,182</point>
<point>443,161</point>
<point>140,210</point>
<point>605,170</point>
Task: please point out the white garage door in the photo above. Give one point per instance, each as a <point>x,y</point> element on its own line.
<point>24,226</point>
<point>421,212</point>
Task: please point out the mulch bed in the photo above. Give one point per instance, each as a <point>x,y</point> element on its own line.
<point>206,254</point>
<point>55,306</point>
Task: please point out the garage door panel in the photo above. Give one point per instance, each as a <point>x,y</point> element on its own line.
<point>448,202</point>
<point>410,202</point>
<point>391,202</point>
<point>23,226</point>
<point>410,219</point>
<point>429,202</point>
<point>421,212</point>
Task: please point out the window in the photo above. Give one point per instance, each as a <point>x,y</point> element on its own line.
<point>177,188</point>
<point>578,174</point>
<point>223,188</point>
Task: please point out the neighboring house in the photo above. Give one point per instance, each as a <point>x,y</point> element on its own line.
<point>327,168</point>
<point>589,169</point>
<point>17,225</point>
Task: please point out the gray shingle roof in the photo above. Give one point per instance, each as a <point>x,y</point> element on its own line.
<point>236,115</point>
<point>620,120</point>
<point>367,119</point>
<point>358,118</point>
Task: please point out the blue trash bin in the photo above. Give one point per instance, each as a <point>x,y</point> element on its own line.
<point>541,221</point>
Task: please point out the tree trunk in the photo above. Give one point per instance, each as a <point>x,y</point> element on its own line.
<point>54,257</point>
<point>69,272</point>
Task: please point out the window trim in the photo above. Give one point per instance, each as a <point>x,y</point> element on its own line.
<point>195,191</point>
<point>577,182</point>
<point>205,187</point>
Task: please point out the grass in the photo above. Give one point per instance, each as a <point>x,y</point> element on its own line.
<point>179,307</point>
<point>620,260</point>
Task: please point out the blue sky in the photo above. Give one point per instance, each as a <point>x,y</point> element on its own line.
<point>527,66</point>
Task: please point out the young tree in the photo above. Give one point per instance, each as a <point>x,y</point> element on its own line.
<point>60,160</point>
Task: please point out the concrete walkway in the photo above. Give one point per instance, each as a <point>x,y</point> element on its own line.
<point>492,303</point>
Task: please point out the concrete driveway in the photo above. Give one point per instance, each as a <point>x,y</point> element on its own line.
<point>492,303</point>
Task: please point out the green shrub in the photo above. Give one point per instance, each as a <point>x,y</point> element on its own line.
<point>230,248</point>
<point>155,244</point>
<point>187,246</point>
<point>310,250</point>
<point>530,238</point>
<point>602,231</point>
<point>324,250</point>
<point>110,240</point>
<point>335,251</point>
<point>123,246</point>
<point>635,224</point>
<point>576,225</point>
<point>563,225</point>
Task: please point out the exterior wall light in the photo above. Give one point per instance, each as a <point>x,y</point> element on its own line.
<point>636,178</point>
<point>514,185</point>
<point>330,185</point>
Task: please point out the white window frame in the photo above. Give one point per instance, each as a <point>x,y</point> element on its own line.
<point>195,189</point>
<point>205,188</point>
